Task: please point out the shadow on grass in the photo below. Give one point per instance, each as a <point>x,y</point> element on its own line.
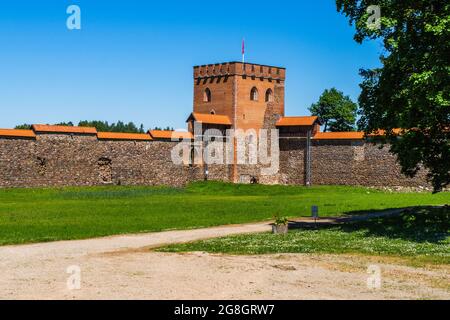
<point>421,224</point>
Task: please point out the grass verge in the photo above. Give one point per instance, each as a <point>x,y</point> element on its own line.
<point>421,236</point>
<point>48,214</point>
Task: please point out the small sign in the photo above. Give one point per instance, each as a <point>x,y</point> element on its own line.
<point>315,212</point>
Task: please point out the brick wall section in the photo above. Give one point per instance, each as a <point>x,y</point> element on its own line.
<point>381,162</point>
<point>19,165</point>
<point>219,172</point>
<point>344,162</point>
<point>76,160</point>
<point>221,95</point>
<point>292,161</point>
<point>250,114</point>
<point>272,112</point>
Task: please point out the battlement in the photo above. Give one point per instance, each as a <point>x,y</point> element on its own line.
<point>240,69</point>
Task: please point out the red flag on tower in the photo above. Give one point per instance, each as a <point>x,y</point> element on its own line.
<point>243,50</point>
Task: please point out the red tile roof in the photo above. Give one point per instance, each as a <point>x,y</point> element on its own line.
<point>350,135</point>
<point>210,118</point>
<point>339,136</point>
<point>63,129</point>
<point>297,121</point>
<point>166,134</point>
<point>124,136</point>
<point>17,133</point>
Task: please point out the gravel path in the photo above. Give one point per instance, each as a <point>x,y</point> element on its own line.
<point>123,267</point>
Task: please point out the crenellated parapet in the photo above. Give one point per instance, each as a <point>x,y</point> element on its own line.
<point>240,69</point>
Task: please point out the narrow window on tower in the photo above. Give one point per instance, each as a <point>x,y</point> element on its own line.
<point>254,94</point>
<point>269,95</point>
<point>207,95</point>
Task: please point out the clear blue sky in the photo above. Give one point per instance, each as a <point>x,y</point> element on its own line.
<point>132,60</point>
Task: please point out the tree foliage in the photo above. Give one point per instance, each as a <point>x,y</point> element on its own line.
<point>411,90</point>
<point>103,126</point>
<point>64,124</point>
<point>27,126</point>
<point>24,126</point>
<point>338,112</point>
<point>165,129</point>
<point>119,126</point>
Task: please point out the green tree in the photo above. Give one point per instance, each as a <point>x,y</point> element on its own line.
<point>411,90</point>
<point>338,112</point>
<point>65,124</point>
<point>165,129</point>
<point>23,126</point>
<point>28,126</point>
<point>120,126</point>
<point>101,126</point>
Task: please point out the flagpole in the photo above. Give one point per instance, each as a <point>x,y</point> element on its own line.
<point>243,50</point>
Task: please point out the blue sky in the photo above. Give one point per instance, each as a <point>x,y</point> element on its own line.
<point>132,60</point>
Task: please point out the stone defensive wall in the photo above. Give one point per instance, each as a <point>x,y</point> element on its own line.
<point>74,156</point>
<point>338,161</point>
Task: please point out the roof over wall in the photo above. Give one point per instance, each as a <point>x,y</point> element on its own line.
<point>17,133</point>
<point>210,118</point>
<point>124,136</point>
<point>177,135</point>
<point>297,121</point>
<point>166,134</point>
<point>339,136</point>
<point>359,135</point>
<point>149,136</point>
<point>63,129</point>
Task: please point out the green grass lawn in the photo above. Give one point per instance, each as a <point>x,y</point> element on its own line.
<point>35,215</point>
<point>422,236</point>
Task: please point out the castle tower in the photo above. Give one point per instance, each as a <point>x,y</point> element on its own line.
<point>243,92</point>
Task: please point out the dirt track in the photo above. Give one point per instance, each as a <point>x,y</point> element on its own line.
<point>123,267</point>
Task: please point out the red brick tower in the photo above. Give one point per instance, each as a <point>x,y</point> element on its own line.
<point>241,91</point>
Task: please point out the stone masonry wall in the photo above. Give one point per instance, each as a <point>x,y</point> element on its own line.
<point>343,162</point>
<point>83,160</point>
<point>292,161</point>
<point>76,160</point>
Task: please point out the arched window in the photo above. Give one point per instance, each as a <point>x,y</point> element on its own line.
<point>212,112</point>
<point>254,94</point>
<point>207,95</point>
<point>269,95</point>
